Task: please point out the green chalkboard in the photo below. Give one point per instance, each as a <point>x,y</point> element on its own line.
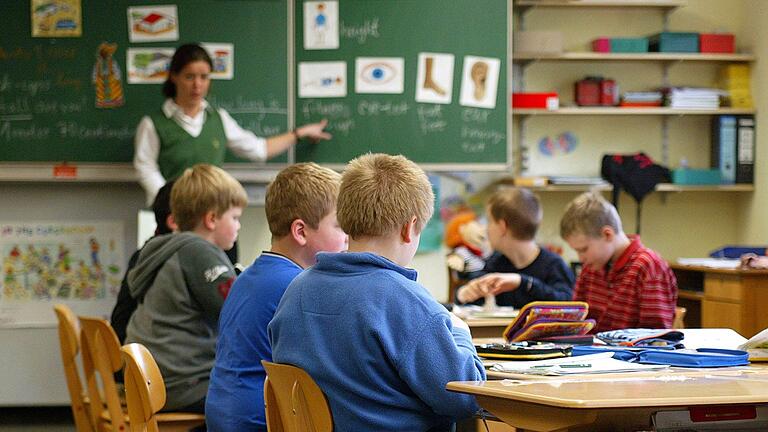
<point>47,98</point>
<point>436,134</point>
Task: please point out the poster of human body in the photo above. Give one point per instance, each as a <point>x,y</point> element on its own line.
<point>80,264</point>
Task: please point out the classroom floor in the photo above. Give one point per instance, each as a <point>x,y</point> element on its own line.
<point>37,419</point>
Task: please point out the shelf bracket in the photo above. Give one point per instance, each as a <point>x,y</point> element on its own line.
<point>665,141</point>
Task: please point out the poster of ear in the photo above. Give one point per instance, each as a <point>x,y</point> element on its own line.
<point>44,263</point>
<point>480,82</point>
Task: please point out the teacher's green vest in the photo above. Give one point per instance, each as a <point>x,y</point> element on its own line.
<point>179,150</point>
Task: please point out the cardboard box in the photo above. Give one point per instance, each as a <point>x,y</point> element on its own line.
<point>717,43</point>
<point>674,42</point>
<point>539,42</point>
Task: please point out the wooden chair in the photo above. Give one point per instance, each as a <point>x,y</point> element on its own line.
<point>145,391</point>
<point>102,357</point>
<point>69,341</point>
<point>678,322</point>
<point>294,402</point>
<point>454,282</point>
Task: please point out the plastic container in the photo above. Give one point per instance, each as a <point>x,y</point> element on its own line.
<point>674,42</point>
<point>717,43</point>
<point>629,45</point>
<point>548,101</point>
<point>692,176</point>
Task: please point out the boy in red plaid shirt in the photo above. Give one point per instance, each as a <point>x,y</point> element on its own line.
<point>626,284</point>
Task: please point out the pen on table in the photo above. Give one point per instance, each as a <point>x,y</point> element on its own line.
<point>567,365</point>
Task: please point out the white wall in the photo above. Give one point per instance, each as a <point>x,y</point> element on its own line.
<point>753,223</point>
<point>31,372</point>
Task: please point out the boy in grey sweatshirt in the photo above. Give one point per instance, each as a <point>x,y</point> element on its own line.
<point>181,281</point>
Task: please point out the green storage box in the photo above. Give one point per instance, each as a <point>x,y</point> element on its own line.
<point>629,45</point>
<point>690,176</point>
<point>675,42</point>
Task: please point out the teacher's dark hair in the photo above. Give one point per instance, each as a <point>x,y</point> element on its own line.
<point>183,56</point>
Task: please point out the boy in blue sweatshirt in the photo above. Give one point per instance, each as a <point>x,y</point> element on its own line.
<point>301,211</point>
<point>378,345</point>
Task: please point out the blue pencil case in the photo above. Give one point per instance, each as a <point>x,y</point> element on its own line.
<point>699,358</point>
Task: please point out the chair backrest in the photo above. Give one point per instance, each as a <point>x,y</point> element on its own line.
<point>144,387</point>
<point>101,356</point>
<point>678,322</point>
<point>69,341</point>
<point>294,402</point>
<point>454,282</point>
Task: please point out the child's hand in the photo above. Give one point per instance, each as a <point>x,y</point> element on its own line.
<point>472,291</point>
<point>498,283</point>
<point>753,261</point>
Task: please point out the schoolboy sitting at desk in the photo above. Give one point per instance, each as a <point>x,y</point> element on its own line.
<point>375,341</point>
<point>625,284</point>
<point>181,281</point>
<point>520,271</point>
<point>301,211</point>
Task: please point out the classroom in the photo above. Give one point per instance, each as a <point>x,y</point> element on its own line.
<point>540,94</point>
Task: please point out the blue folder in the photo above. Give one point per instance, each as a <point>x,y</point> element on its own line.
<point>699,358</point>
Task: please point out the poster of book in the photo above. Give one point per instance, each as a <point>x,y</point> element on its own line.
<point>44,263</point>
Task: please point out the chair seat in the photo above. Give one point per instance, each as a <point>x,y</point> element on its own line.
<point>169,417</point>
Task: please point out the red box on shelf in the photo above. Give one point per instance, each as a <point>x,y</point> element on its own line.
<point>588,92</point>
<point>609,93</point>
<point>717,43</point>
<point>602,45</point>
<point>548,101</point>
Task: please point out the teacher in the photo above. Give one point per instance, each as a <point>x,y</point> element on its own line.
<point>186,130</point>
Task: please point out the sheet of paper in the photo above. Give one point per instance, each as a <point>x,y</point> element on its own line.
<point>582,365</point>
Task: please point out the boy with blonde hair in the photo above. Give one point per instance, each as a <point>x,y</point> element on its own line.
<point>378,345</point>
<point>519,271</point>
<point>626,284</point>
<point>181,281</point>
<point>301,212</point>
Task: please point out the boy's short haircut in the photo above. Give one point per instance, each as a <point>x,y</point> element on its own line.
<point>519,208</point>
<point>587,214</point>
<point>303,191</point>
<point>201,189</point>
<point>161,207</point>
<point>380,193</point>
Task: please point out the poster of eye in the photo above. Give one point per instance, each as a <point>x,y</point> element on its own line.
<point>44,263</point>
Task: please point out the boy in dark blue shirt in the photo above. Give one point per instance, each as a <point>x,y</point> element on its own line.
<point>520,271</point>
<point>301,212</point>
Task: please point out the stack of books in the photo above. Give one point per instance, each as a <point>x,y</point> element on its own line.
<point>735,80</point>
<point>642,99</point>
<point>693,98</point>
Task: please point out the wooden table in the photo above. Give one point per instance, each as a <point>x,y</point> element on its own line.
<point>610,404</point>
<point>487,327</point>
<point>724,298</point>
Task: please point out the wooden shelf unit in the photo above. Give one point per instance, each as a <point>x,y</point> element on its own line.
<point>628,57</point>
<point>658,111</point>
<point>661,187</point>
<point>523,59</point>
